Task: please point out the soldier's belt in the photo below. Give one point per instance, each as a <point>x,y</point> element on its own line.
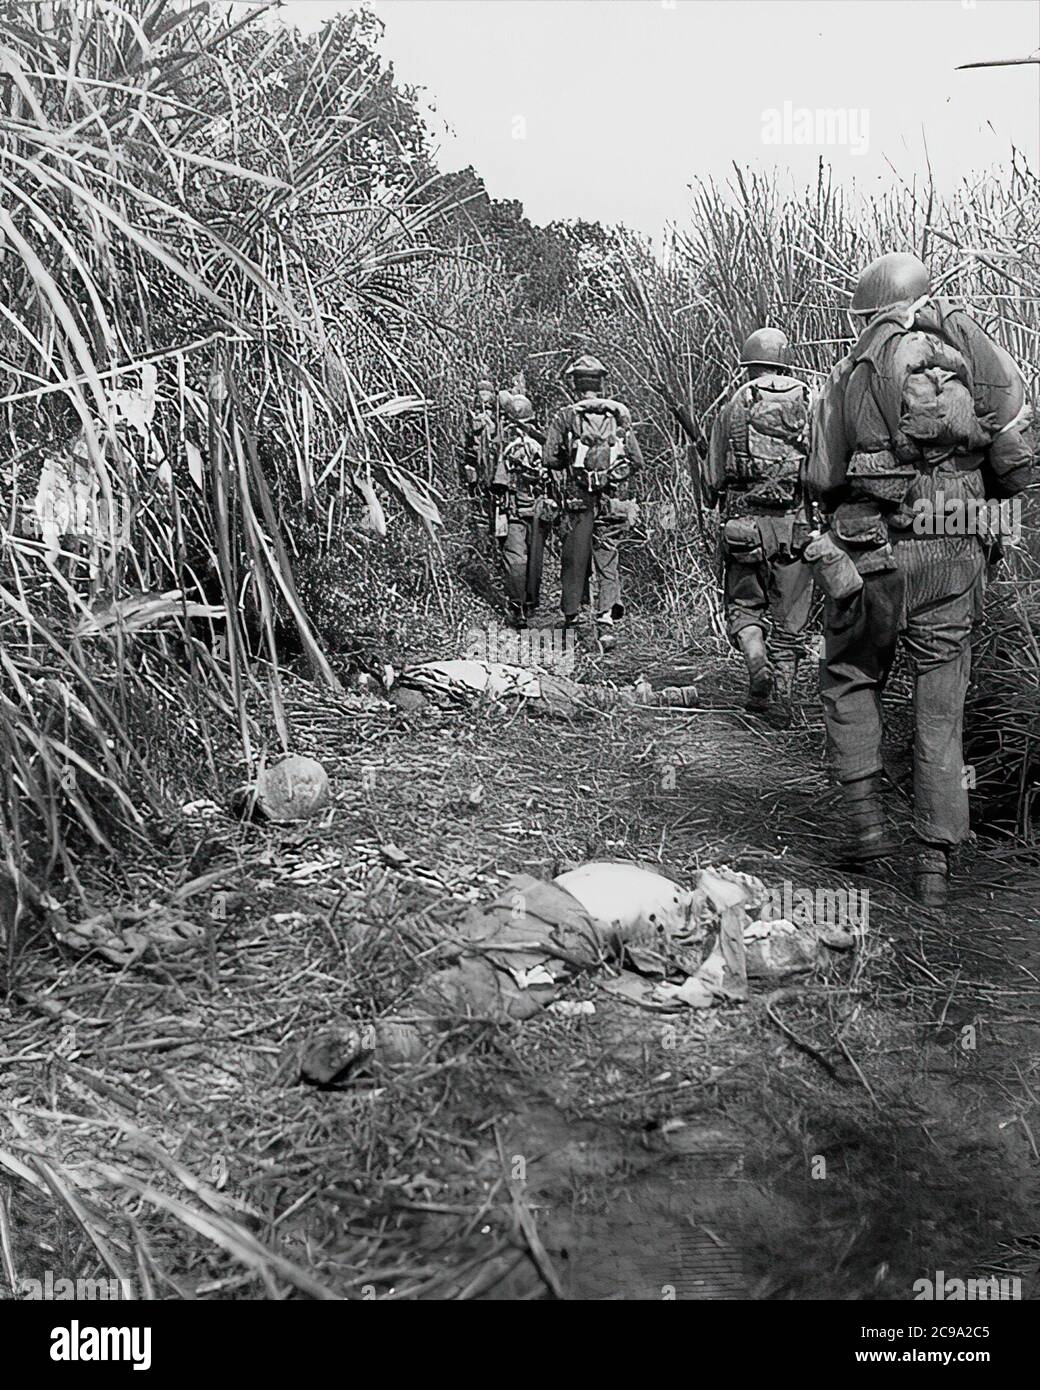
<point>739,506</point>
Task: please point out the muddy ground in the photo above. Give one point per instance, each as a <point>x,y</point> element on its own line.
<point>872,1125</point>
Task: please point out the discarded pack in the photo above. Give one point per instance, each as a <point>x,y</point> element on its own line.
<point>694,946</point>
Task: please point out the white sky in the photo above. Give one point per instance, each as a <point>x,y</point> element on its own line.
<point>623,102</point>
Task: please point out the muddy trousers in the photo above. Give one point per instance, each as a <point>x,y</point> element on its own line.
<point>775,595</point>
<point>590,542</point>
<point>930,601</point>
<point>523,555</point>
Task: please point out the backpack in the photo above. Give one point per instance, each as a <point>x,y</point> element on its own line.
<point>522,460</point>
<point>769,440</point>
<point>597,441</point>
<point>936,401</point>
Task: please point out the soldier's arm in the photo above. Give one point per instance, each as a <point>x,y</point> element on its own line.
<point>633,453</point>
<point>831,446</point>
<point>713,476</point>
<point>1000,394</point>
<point>554,454</point>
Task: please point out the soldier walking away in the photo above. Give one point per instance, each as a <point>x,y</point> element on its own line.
<point>524,508</point>
<point>755,472</point>
<point>593,445</point>
<point>926,408</point>
<point>479,448</point>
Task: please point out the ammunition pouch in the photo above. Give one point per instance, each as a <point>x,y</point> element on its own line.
<point>863,532</point>
<point>742,541</point>
<point>860,525</point>
<point>880,476</point>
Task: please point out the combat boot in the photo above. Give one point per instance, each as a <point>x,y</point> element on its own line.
<point>784,673</point>
<point>760,673</point>
<point>605,632</point>
<point>867,835</point>
<point>931,874</point>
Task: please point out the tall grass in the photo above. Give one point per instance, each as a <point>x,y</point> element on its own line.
<point>238,324</point>
<point>205,333</point>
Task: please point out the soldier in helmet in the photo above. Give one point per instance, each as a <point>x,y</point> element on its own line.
<point>925,408</point>
<point>592,445</point>
<point>522,498</point>
<point>479,446</point>
<point>754,471</point>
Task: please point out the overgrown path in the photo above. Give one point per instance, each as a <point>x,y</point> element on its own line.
<point>865,1130</point>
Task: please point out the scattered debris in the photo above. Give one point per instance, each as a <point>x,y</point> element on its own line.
<point>335,1051</point>
<point>677,948</point>
<point>775,950</point>
<point>127,935</point>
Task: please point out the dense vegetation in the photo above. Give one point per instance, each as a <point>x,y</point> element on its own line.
<point>240,314</point>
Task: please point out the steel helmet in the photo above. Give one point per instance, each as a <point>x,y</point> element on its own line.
<point>586,365</point>
<point>767,347</point>
<point>518,408</point>
<point>893,279</point>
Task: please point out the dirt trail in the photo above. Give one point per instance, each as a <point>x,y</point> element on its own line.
<point>709,1155</point>
<point>918,1155</point>
<point>873,1128</point>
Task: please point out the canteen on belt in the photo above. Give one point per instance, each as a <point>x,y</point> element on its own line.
<point>832,569</point>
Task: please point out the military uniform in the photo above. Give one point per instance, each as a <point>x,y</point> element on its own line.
<point>874,464</point>
<point>479,449</point>
<point>595,512</point>
<point>522,498</point>
<point>754,471</point>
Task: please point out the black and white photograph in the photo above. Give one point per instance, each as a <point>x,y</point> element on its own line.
<point>519,671</point>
